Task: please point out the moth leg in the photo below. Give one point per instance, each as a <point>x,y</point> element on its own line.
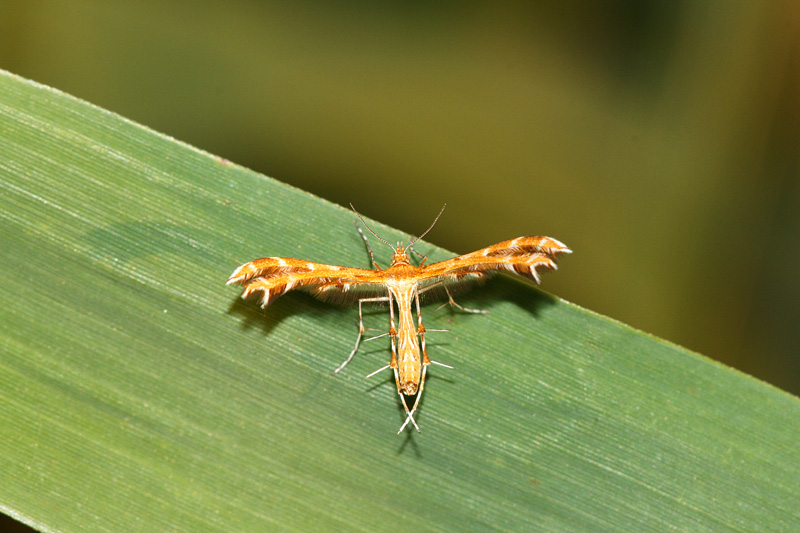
<point>450,301</point>
<point>422,257</point>
<point>410,413</point>
<point>461,307</point>
<point>376,336</point>
<point>379,370</point>
<point>425,359</point>
<point>393,334</point>
<point>360,330</point>
<point>369,248</point>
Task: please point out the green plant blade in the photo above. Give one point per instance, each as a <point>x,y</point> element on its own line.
<point>138,392</point>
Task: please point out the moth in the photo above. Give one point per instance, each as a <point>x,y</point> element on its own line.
<point>400,286</point>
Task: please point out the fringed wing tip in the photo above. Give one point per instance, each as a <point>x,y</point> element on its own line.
<point>559,248</point>
<point>245,276</point>
<point>241,274</point>
<point>530,268</point>
<point>257,285</point>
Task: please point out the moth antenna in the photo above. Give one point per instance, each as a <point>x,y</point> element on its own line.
<point>429,228</point>
<point>370,229</point>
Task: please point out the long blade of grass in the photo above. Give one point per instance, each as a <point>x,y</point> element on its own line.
<point>137,392</point>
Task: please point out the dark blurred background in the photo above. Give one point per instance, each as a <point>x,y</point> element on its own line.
<point>660,140</point>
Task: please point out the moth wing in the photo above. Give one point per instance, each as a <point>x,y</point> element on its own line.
<point>522,255</point>
<point>275,276</point>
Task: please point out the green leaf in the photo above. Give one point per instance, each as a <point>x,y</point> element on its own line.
<point>140,393</point>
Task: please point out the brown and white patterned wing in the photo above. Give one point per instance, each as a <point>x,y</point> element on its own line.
<point>522,255</point>
<point>274,276</point>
